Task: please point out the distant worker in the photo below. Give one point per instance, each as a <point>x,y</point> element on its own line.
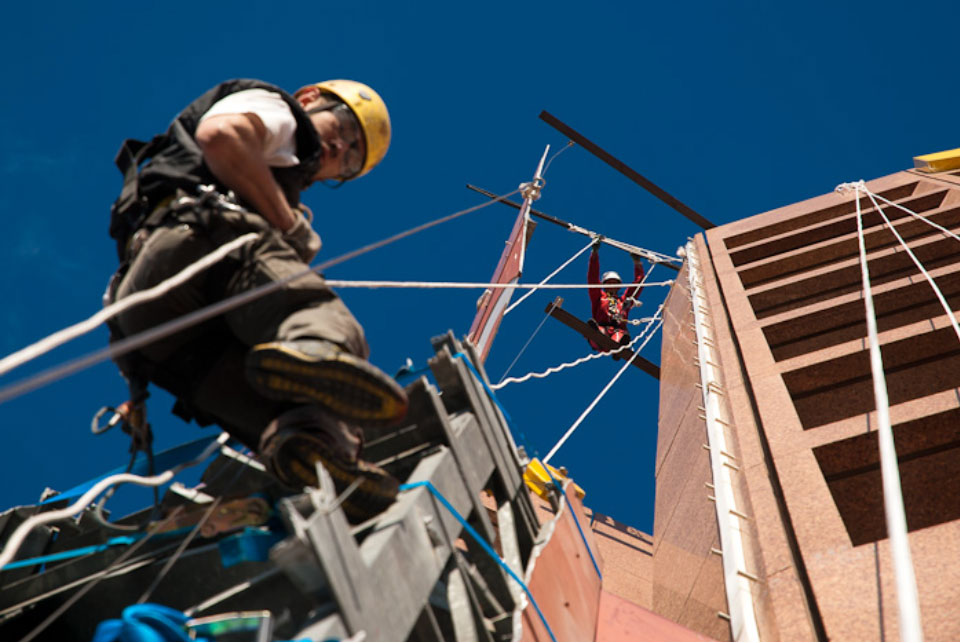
<point>286,374</point>
<point>610,310</point>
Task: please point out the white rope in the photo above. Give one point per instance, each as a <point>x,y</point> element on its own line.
<point>37,349</point>
<point>21,532</point>
<point>905,209</point>
<point>582,360</point>
<point>908,603</point>
<point>583,415</point>
<point>339,283</point>
<point>929,278</point>
<point>166,329</point>
<point>548,278</point>
<point>537,330</point>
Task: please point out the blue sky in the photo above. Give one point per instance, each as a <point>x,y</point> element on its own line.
<point>735,108</point>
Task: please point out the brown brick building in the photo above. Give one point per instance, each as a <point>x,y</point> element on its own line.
<point>782,318</point>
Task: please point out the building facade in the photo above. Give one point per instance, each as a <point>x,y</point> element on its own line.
<point>782,297</point>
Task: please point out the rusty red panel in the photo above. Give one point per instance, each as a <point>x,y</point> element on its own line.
<point>621,620</point>
<point>490,311</point>
<point>565,585</point>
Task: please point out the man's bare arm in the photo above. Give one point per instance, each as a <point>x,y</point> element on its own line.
<point>232,146</point>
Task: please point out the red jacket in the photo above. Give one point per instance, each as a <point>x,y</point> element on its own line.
<point>608,310</point>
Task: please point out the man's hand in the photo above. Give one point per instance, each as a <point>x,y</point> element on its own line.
<point>597,241</point>
<point>636,258</point>
<point>303,239</point>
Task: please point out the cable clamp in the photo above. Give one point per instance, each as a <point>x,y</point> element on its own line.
<point>532,189</point>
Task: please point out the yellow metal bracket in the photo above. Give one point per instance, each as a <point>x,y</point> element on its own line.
<point>538,480</point>
<point>938,161</point>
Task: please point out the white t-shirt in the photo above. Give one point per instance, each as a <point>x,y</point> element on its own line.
<point>280,146</point>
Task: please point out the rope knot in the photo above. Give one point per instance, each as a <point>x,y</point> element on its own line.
<point>845,188</point>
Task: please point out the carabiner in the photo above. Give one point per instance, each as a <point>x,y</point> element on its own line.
<point>117,418</point>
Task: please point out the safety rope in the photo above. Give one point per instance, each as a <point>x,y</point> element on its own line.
<point>547,278</point>
<point>468,285</point>
<point>20,533</point>
<point>933,284</point>
<point>134,342</point>
<point>595,355</point>
<point>920,217</point>
<point>37,349</point>
<point>908,603</point>
<point>599,397</point>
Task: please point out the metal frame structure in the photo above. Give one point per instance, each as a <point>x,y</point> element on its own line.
<point>411,573</point>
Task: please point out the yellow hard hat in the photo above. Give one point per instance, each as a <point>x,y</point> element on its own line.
<point>371,112</point>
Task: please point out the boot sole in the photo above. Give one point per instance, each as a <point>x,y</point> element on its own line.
<point>343,384</point>
<point>376,491</point>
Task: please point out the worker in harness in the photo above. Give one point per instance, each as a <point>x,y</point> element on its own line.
<point>609,309</point>
<point>287,373</point>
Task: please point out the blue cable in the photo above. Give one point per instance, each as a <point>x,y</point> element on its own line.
<point>92,549</point>
<point>575,520</point>
<point>162,461</point>
<point>146,622</point>
<point>72,553</point>
<point>493,396</point>
<point>487,548</point>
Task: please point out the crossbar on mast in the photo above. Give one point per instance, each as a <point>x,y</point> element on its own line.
<point>626,170</point>
<point>647,254</point>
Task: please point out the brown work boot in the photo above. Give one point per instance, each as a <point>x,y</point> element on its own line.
<point>293,444</point>
<point>320,372</point>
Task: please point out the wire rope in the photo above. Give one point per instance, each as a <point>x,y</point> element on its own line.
<point>599,397</point>
<point>539,326</point>
<point>134,342</point>
<point>180,549</point>
<point>556,154</point>
<point>548,278</point>
<point>70,602</point>
<point>469,285</point>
